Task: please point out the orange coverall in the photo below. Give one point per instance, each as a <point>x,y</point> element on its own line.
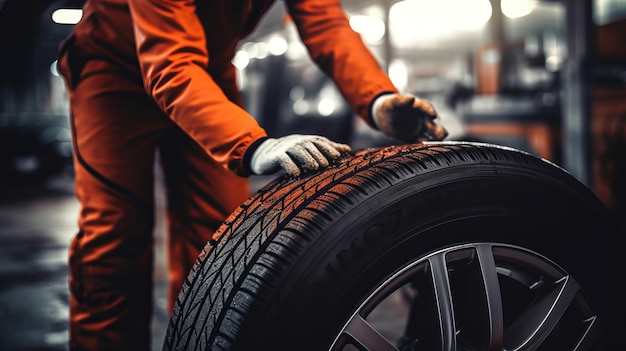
<point>146,75</point>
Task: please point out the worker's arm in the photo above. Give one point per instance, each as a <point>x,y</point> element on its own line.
<point>172,54</point>
<point>340,52</point>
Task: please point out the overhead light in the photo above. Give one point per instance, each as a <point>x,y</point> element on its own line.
<point>517,8</point>
<point>67,16</point>
<point>54,68</point>
<point>296,50</point>
<point>241,59</point>
<point>399,74</point>
<point>301,107</point>
<point>417,21</point>
<point>277,46</point>
<point>371,28</point>
<point>326,107</point>
<point>251,48</point>
<point>262,50</point>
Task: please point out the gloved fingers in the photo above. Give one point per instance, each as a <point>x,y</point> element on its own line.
<point>313,150</point>
<point>408,118</point>
<point>302,157</point>
<point>434,130</point>
<point>295,153</point>
<point>342,148</point>
<point>330,148</point>
<point>392,108</point>
<point>402,101</point>
<point>288,165</point>
<point>424,106</point>
<point>315,153</point>
<point>408,105</point>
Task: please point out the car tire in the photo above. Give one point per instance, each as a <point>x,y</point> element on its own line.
<point>437,246</point>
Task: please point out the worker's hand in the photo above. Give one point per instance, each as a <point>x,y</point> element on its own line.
<point>295,153</point>
<point>407,118</point>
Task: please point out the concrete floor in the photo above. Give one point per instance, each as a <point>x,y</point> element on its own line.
<point>37,222</point>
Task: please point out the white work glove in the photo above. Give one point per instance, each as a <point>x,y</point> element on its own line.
<point>407,118</point>
<point>295,153</point>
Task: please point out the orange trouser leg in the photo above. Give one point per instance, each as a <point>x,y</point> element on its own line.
<point>117,131</point>
<point>200,195</point>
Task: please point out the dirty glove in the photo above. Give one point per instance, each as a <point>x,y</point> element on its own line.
<point>407,118</point>
<point>294,154</point>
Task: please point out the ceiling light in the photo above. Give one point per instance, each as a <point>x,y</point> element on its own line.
<point>399,74</point>
<point>277,46</point>
<point>67,16</point>
<point>517,8</point>
<point>54,68</point>
<point>418,21</point>
<point>241,59</point>
<point>371,28</point>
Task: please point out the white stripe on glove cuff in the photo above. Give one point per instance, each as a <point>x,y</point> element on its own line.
<point>295,153</point>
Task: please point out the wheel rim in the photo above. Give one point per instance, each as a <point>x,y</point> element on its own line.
<point>480,296</point>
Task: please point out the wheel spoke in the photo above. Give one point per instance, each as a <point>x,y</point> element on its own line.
<point>494,297</point>
<point>443,294</point>
<point>537,322</point>
<point>589,337</point>
<point>366,336</point>
<point>478,296</point>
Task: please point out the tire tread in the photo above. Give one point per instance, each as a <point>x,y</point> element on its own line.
<point>266,234</point>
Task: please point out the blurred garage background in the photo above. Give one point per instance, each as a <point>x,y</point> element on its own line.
<point>547,77</point>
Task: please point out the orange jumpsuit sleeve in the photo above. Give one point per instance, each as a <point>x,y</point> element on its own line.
<point>339,51</point>
<point>173,57</point>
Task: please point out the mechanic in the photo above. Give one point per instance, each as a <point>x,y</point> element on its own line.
<point>157,75</point>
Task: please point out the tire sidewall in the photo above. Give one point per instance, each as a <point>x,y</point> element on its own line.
<point>408,220</point>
